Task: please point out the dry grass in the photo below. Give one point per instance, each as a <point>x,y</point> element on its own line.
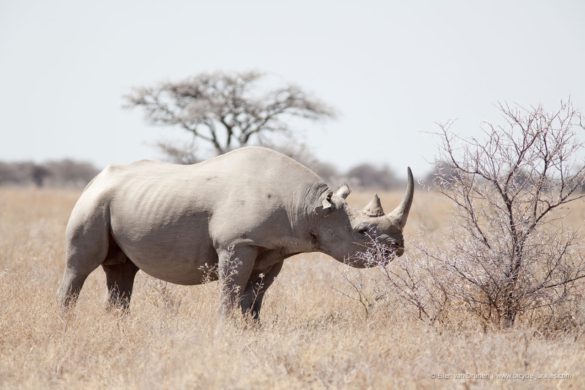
<point>312,335</point>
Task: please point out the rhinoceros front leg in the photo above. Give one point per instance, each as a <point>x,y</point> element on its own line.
<point>256,288</point>
<point>235,268</point>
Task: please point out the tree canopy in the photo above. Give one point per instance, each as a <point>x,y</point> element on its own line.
<point>226,110</point>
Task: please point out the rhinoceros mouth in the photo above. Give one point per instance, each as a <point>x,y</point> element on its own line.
<point>392,252</point>
<point>389,249</point>
<point>378,253</point>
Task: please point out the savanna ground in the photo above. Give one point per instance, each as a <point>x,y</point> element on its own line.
<point>313,333</point>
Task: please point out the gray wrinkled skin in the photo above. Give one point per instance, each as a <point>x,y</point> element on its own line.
<point>235,217</point>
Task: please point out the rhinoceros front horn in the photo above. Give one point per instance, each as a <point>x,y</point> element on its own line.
<point>400,213</point>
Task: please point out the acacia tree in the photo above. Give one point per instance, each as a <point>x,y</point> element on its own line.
<point>225,110</point>
<point>509,255</point>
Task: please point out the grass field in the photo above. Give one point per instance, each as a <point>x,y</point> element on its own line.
<point>312,334</point>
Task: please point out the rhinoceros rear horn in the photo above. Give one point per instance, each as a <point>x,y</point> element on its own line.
<point>400,213</point>
<point>374,208</point>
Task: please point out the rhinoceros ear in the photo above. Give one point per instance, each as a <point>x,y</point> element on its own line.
<point>327,205</point>
<point>343,191</point>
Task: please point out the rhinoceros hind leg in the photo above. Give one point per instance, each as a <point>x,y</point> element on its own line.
<point>80,264</point>
<point>87,247</point>
<point>71,285</point>
<point>120,273</point>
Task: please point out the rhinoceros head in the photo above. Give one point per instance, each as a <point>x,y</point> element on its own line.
<point>347,234</point>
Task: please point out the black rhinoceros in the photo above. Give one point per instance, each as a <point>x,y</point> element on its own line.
<point>235,218</point>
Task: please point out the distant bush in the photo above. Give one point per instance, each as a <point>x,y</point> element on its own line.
<point>301,153</point>
<point>58,173</point>
<point>361,176</point>
<point>72,173</point>
<point>366,175</point>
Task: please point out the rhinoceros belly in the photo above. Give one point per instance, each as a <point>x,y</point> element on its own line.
<point>175,251</point>
<point>175,266</point>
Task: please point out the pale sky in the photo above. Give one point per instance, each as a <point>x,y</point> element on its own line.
<point>392,69</point>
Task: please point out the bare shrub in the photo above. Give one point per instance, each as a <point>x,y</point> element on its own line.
<point>509,250</point>
<point>508,254</point>
<point>412,281</point>
<point>422,285</point>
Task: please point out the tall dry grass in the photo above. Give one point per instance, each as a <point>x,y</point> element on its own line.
<point>312,334</point>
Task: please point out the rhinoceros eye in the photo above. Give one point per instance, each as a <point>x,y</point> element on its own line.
<point>363,229</point>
